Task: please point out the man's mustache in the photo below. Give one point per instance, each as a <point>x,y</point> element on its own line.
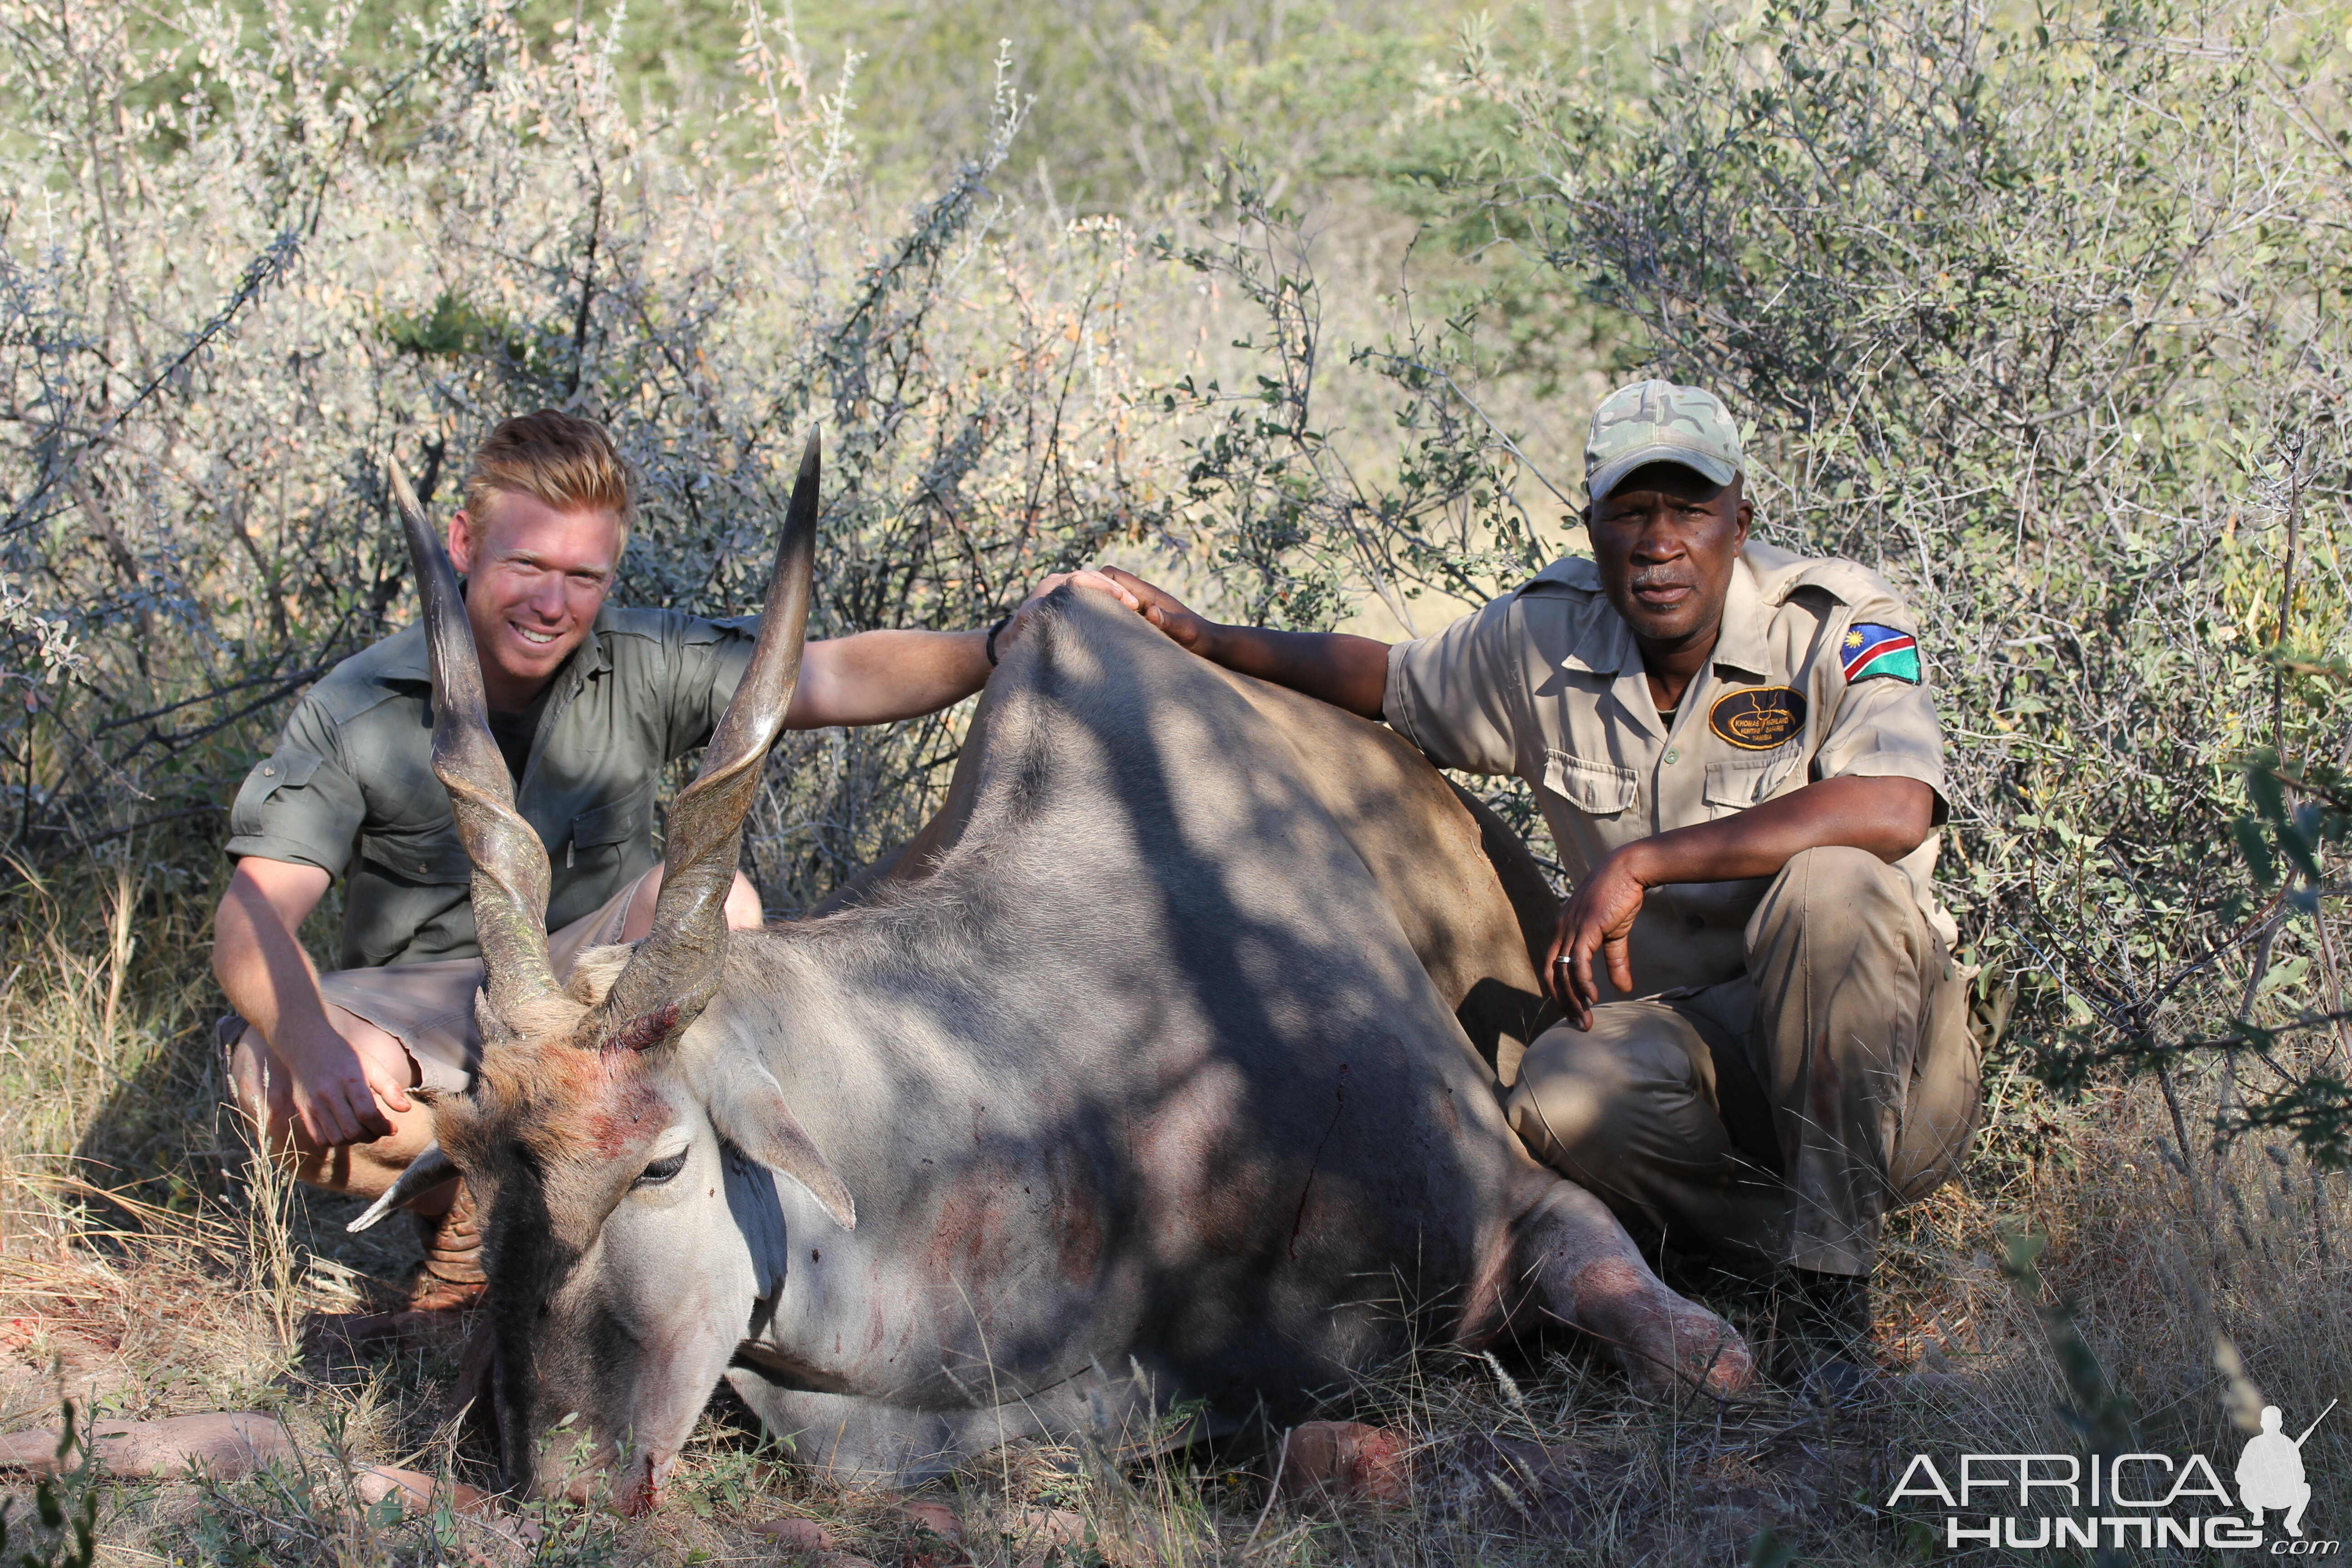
<point>1662,578</point>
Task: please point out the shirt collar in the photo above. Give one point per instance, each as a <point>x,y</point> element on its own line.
<point>405,659</point>
<point>1607,646</point>
<point>1739,644</point>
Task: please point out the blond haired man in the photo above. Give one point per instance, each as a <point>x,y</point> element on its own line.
<point>589,702</point>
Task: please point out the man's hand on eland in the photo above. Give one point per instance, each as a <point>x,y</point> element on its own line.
<point>1162,609</point>
<point>1340,669</point>
<point>1098,582</point>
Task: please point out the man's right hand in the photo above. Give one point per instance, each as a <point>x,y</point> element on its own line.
<point>1162,609</point>
<point>342,1090</point>
<point>344,1075</point>
<point>1350,673</point>
<point>1598,919</point>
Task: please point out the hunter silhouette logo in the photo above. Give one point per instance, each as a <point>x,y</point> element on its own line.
<point>2156,1502</point>
<point>2270,1471</point>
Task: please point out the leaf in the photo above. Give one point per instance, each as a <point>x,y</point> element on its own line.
<point>2286,972</point>
<point>2255,851</point>
<point>2262,788</point>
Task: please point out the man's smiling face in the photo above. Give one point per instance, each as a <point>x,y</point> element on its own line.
<point>535,578</point>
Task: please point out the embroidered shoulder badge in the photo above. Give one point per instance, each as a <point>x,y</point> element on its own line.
<point>1870,650</point>
<point>1759,717</point>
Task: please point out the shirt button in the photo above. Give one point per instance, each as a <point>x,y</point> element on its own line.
<point>270,772</point>
<point>1673,756</point>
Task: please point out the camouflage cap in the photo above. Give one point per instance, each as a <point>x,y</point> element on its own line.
<point>1658,422</point>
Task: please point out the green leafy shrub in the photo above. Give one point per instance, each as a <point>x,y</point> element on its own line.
<point>2041,315</point>
<point>210,351</point>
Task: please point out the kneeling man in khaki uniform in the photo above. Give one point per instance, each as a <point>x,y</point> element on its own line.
<point>1766,1045</point>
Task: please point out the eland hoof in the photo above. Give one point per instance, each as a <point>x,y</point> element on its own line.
<point>1662,1340</point>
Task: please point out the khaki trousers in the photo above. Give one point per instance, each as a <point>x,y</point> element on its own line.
<point>1775,1118</point>
<point>429,1007</point>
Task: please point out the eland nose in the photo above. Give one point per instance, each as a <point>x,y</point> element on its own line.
<point>646,1485</point>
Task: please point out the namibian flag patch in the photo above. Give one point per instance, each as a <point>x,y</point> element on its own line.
<point>1870,650</point>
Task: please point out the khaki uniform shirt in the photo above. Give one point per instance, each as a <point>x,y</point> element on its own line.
<point>350,788</point>
<point>1548,683</point>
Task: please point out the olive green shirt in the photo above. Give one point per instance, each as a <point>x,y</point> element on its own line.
<point>350,790</point>
<point>1548,683</point>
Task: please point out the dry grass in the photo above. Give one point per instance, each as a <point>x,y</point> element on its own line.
<point>178,1285</point>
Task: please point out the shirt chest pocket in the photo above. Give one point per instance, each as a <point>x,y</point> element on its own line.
<point>1738,783</point>
<point>431,853</point>
<point>1596,789</point>
<point>618,822</point>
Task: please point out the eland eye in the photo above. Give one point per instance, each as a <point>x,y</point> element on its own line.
<point>661,1171</point>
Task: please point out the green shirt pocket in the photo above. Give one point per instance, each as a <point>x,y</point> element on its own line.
<point>432,854</point>
<point>622,821</point>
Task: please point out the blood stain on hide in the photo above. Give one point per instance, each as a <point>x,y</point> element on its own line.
<point>1211,1194</point>
<point>970,1240</point>
<point>619,1127</point>
<point>650,1029</point>
<point>1077,1218</point>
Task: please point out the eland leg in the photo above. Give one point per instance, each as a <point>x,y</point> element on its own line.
<point>1576,1266</point>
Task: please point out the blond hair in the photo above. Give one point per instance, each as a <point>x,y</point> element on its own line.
<point>560,459</point>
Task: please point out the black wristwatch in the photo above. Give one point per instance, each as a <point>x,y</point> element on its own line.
<point>1002,622</point>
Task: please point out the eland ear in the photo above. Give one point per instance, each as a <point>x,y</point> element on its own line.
<point>746,1106</point>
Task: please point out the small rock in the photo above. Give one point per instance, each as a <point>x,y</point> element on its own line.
<point>226,1445</point>
<point>937,1539</point>
<point>796,1534</point>
<point>1343,1461</point>
<point>1055,1527</point>
<point>938,1517</point>
<point>1044,1532</point>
